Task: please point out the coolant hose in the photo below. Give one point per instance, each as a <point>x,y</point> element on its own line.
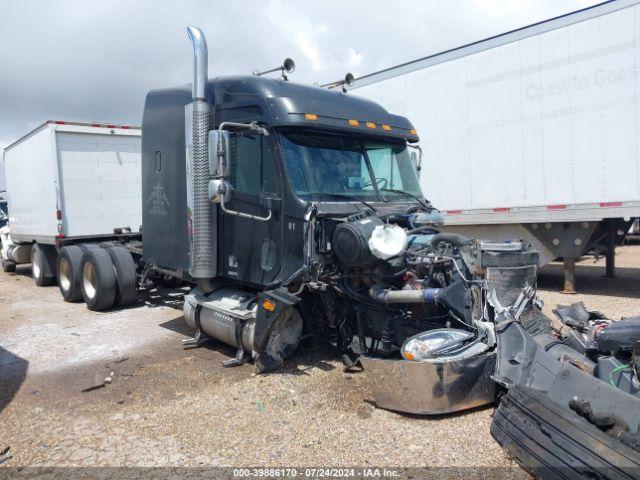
<point>452,238</point>
<point>385,295</point>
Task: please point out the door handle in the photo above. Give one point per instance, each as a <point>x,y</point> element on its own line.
<point>272,203</point>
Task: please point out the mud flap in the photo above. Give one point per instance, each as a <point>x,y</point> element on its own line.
<point>553,442</point>
<point>265,358</point>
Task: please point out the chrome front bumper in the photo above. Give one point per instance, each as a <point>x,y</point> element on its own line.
<point>431,389</point>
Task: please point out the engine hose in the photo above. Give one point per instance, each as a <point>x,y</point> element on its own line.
<point>346,289</point>
<point>423,229</point>
<point>388,335</point>
<point>389,331</point>
<point>389,275</point>
<point>385,295</point>
<point>452,238</point>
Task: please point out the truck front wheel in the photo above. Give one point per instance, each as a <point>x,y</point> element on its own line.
<point>70,273</point>
<point>98,279</point>
<point>43,265</point>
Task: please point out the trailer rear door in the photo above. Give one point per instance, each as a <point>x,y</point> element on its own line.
<point>99,182</point>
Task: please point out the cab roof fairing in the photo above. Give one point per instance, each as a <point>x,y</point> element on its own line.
<point>281,103</point>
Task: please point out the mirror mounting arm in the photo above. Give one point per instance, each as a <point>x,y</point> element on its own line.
<point>218,186</point>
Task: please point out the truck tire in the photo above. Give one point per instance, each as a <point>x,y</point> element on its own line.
<point>43,265</point>
<point>125,270</point>
<point>553,442</point>
<point>70,273</point>
<point>8,266</point>
<point>98,279</point>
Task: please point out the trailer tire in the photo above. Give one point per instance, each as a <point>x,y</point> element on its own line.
<point>43,265</point>
<point>98,279</point>
<point>552,441</point>
<point>70,273</point>
<point>125,270</point>
<point>8,266</point>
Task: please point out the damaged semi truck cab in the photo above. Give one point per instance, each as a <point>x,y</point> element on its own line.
<point>296,210</point>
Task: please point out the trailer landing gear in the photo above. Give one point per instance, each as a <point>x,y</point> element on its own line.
<point>569,266</point>
<point>610,259</point>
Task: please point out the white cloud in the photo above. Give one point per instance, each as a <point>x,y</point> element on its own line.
<point>295,24</point>
<point>354,61</point>
<point>87,61</point>
<point>309,49</point>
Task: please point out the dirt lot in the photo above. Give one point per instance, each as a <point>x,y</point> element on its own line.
<point>167,406</point>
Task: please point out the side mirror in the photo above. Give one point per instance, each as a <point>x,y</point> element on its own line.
<point>416,158</point>
<point>219,148</point>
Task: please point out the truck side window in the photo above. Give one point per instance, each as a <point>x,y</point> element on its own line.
<point>245,156</point>
<point>269,169</point>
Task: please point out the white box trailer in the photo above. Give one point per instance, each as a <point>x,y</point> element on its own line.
<point>69,182</point>
<point>531,134</point>
<point>73,180</point>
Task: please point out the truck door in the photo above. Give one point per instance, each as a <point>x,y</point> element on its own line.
<point>251,249</point>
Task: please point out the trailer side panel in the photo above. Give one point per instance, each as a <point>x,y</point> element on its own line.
<point>543,121</point>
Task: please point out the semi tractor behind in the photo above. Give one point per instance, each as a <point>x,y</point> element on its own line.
<point>295,211</point>
<point>532,133</point>
<point>4,212</point>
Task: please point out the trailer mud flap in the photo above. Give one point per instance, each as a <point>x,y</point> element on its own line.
<point>553,442</point>
<point>424,388</point>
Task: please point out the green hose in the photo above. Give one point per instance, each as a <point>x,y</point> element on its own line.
<point>616,370</point>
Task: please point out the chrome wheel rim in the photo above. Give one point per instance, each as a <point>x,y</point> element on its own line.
<point>64,274</point>
<point>89,280</point>
<point>35,266</point>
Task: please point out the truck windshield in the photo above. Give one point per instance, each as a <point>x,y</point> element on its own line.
<point>324,164</point>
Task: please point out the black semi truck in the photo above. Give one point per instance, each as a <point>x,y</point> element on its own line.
<point>295,211</point>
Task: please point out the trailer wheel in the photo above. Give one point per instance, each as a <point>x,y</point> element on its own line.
<point>43,265</point>
<point>98,279</point>
<point>8,266</point>
<point>70,273</point>
<point>125,270</point>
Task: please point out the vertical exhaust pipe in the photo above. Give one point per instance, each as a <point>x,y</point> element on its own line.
<point>200,62</point>
<point>202,255</point>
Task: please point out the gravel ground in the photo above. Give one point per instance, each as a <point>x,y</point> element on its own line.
<point>169,407</point>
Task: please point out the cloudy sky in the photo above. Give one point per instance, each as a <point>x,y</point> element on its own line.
<point>88,60</point>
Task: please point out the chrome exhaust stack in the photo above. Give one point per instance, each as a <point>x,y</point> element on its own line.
<point>200,212</point>
<point>200,63</point>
